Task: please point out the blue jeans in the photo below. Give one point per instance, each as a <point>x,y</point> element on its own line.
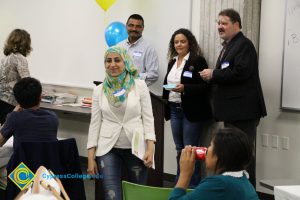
<point>110,165</point>
<point>185,133</point>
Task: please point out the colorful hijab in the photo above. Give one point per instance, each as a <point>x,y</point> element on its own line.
<point>116,89</point>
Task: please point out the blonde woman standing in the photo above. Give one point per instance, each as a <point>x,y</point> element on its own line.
<point>13,67</point>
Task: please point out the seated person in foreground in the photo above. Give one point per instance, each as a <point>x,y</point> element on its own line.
<point>46,186</point>
<point>227,156</point>
<point>29,123</point>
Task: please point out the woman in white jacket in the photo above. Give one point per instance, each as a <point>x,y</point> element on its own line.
<point>121,108</point>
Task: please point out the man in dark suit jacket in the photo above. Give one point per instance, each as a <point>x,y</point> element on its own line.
<point>237,98</point>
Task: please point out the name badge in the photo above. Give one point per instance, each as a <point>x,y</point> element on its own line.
<point>188,74</point>
<point>137,53</point>
<point>224,65</point>
<point>119,92</point>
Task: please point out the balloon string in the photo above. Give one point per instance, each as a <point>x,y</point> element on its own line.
<point>105,22</point>
<point>105,18</point>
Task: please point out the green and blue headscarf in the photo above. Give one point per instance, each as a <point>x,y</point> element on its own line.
<point>125,80</point>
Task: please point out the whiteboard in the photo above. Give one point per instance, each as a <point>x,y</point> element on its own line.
<point>68,35</point>
<point>290,93</point>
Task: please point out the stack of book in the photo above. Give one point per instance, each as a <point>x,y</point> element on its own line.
<point>63,98</point>
<point>48,97</point>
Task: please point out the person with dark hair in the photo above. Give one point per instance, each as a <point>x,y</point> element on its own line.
<point>237,97</point>
<point>13,67</point>
<point>227,156</point>
<point>143,54</point>
<point>188,103</point>
<point>28,92</point>
<point>29,123</point>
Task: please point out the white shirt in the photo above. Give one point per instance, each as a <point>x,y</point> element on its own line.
<point>123,141</point>
<point>174,77</point>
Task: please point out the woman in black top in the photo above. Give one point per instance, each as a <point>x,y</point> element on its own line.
<point>188,103</point>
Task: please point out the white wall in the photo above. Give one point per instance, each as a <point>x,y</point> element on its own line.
<point>66,50</point>
<point>275,163</point>
<point>68,35</point>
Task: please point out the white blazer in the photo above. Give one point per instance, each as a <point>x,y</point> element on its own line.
<point>105,126</point>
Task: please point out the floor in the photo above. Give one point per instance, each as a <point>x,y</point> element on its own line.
<point>89,185</point>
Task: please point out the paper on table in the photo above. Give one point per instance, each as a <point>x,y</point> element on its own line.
<point>138,146</point>
<point>72,104</point>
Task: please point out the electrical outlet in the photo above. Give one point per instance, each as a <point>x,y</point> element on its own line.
<point>275,141</point>
<point>265,140</point>
<point>285,143</point>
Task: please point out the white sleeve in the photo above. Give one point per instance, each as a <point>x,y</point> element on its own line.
<point>147,114</point>
<point>96,118</point>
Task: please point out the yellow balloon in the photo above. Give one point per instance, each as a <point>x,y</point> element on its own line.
<point>105,4</point>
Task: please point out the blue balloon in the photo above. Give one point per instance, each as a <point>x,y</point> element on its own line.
<point>115,33</point>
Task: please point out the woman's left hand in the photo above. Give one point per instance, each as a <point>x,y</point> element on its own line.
<point>149,154</point>
<point>179,88</point>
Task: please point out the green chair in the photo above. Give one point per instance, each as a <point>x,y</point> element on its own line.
<point>133,191</point>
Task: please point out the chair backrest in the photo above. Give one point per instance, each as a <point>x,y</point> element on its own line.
<point>132,191</point>
<point>61,157</point>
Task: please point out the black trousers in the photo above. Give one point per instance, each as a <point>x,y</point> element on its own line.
<point>249,127</point>
<point>5,108</point>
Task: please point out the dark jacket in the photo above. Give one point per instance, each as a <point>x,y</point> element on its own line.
<point>237,93</point>
<point>195,98</point>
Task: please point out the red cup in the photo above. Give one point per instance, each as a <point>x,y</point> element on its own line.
<point>200,153</point>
